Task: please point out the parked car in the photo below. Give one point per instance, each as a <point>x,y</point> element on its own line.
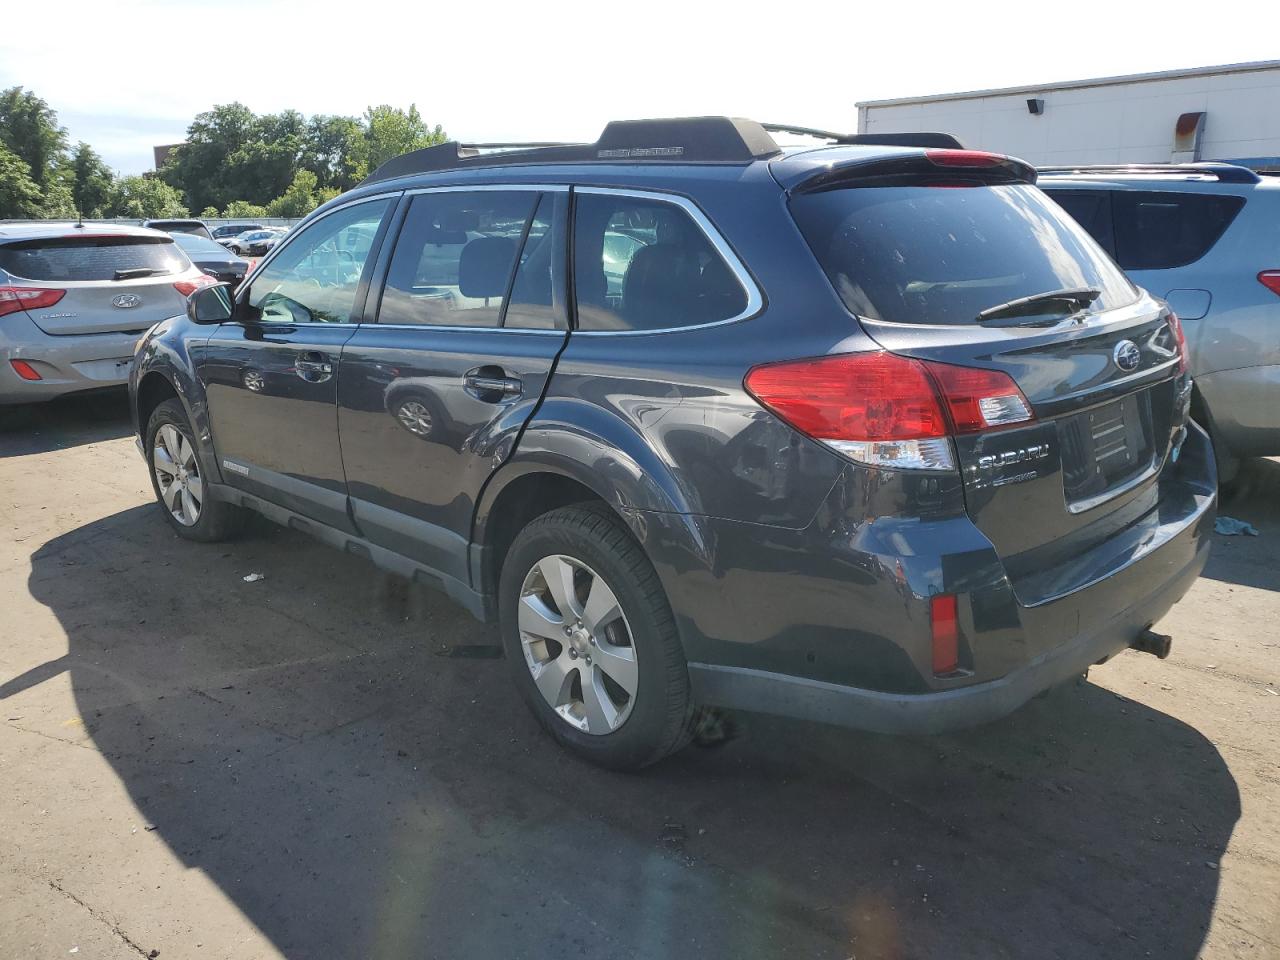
<point>196,228</point>
<point>254,243</point>
<point>842,444</point>
<point>74,298</point>
<point>213,258</point>
<point>1206,237</point>
<point>226,232</point>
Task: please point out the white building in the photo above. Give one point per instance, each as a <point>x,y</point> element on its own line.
<point>1207,113</point>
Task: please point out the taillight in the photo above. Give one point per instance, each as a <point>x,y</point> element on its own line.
<point>13,299</point>
<point>25,370</point>
<point>1271,280</point>
<point>1179,340</point>
<point>885,410</point>
<point>944,620</point>
<point>188,287</point>
<point>965,158</point>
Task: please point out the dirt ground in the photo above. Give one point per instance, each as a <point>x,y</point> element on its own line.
<point>328,763</point>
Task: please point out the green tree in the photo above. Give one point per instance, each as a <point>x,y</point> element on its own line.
<point>332,150</point>
<point>144,197</point>
<point>390,132</point>
<point>298,200</point>
<point>325,194</point>
<point>29,128</point>
<point>19,194</point>
<point>93,186</point>
<point>243,209</point>
<point>199,167</point>
<point>209,213</point>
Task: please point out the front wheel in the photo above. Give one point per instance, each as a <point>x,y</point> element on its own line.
<point>592,641</point>
<point>178,480</point>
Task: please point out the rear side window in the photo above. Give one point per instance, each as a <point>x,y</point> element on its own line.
<point>642,264</point>
<point>93,258</point>
<point>1092,210</point>
<point>454,258</point>
<point>938,255</point>
<point>1157,230</point>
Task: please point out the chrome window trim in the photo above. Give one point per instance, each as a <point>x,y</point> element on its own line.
<point>477,187</point>
<point>755,298</point>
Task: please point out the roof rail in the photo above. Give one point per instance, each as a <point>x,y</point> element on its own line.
<point>1224,172</point>
<point>923,139</point>
<point>677,140</point>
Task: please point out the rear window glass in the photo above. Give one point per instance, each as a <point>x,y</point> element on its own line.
<point>1157,230</point>
<point>937,255</point>
<point>91,258</point>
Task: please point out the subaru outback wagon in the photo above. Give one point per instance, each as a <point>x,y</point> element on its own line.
<point>870,434</point>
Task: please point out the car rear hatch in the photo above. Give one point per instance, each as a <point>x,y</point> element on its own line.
<point>98,283</point>
<point>946,257</point>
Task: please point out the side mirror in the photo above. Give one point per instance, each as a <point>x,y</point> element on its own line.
<point>210,304</point>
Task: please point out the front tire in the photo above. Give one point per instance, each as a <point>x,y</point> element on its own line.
<point>178,480</point>
<point>592,642</point>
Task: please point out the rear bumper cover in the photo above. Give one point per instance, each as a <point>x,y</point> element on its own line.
<point>67,364</point>
<point>1069,634</point>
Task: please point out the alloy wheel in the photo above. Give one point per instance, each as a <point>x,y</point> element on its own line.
<point>577,644</point>
<point>177,470</point>
<point>415,417</point>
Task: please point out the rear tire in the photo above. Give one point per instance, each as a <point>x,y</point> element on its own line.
<point>178,481</point>
<point>580,554</point>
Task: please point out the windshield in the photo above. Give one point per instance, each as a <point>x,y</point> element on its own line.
<point>91,258</point>
<point>938,255</point>
<point>200,247</point>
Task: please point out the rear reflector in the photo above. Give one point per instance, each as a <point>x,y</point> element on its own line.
<point>946,633</point>
<point>188,287</point>
<point>1271,280</point>
<point>13,299</point>
<point>25,370</point>
<point>1179,339</point>
<point>885,410</point>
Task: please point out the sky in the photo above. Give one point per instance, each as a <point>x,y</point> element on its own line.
<point>125,75</point>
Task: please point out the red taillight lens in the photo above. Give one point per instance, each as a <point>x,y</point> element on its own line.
<point>188,287</point>
<point>964,158</point>
<point>1179,339</point>
<point>13,299</point>
<point>25,370</point>
<point>1271,280</point>
<point>980,399</point>
<point>887,410</point>
<point>946,633</point>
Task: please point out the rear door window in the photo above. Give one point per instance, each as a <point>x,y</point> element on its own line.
<point>942,255</point>
<point>1157,230</point>
<point>644,264</point>
<point>1092,210</point>
<point>454,257</point>
<point>92,258</point>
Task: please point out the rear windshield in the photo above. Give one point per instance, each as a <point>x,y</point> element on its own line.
<point>939,255</point>
<point>91,258</point>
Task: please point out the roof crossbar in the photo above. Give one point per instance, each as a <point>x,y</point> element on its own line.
<point>1224,172</point>
<point>727,140</point>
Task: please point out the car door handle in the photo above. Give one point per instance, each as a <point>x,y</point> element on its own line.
<point>313,367</point>
<point>492,388</point>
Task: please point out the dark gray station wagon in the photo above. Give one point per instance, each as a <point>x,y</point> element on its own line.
<point>871,433</point>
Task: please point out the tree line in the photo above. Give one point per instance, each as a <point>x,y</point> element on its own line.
<point>235,163</point>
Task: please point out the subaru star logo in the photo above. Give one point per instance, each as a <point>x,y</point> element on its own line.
<point>126,301</point>
<point>1126,355</point>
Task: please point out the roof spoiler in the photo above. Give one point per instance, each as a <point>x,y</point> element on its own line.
<point>935,141</point>
<point>729,140</point>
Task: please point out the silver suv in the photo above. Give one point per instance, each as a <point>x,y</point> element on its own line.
<point>74,298</point>
<point>1206,238</point>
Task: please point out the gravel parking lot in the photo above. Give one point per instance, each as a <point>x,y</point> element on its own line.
<point>331,763</point>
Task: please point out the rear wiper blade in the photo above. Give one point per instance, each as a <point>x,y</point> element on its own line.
<point>134,273</point>
<point>1074,299</point>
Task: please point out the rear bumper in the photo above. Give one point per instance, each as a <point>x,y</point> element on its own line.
<point>66,364</point>
<point>1015,650</point>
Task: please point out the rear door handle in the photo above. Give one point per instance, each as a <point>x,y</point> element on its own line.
<point>312,366</point>
<point>492,388</point>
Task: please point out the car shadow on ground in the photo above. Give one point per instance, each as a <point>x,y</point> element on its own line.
<point>309,742</point>
<point>66,422</point>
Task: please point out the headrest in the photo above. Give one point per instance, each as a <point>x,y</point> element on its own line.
<point>485,266</point>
